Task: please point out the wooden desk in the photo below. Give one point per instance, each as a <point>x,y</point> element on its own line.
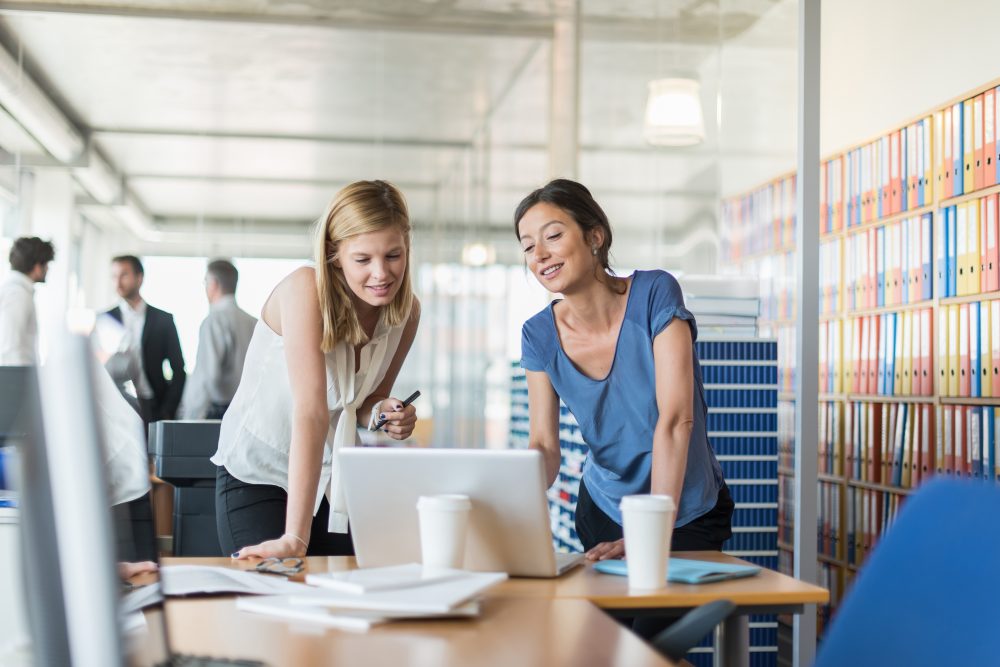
<point>768,592</point>
<point>510,631</point>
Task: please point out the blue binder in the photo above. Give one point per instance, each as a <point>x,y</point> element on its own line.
<point>685,571</point>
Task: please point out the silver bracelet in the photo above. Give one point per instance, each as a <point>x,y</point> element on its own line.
<point>304,543</point>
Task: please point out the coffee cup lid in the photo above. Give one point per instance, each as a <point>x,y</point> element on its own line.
<point>648,503</point>
<point>445,501</point>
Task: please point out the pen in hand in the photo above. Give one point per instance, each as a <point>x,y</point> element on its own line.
<point>409,399</point>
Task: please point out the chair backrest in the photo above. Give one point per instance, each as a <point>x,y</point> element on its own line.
<point>930,592</point>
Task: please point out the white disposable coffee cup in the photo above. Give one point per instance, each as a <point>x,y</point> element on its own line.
<point>444,521</point>
<point>648,521</point>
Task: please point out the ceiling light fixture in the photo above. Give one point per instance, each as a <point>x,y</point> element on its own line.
<point>32,108</point>
<point>478,254</point>
<point>673,113</point>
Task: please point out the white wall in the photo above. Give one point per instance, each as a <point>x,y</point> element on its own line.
<point>886,62</point>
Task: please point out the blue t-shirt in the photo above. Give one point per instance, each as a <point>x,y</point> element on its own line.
<point>617,414</point>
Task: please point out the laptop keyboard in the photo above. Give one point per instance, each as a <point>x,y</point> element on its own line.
<point>564,560</point>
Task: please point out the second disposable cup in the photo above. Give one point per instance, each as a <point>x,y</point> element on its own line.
<point>444,521</point>
<point>648,522</point>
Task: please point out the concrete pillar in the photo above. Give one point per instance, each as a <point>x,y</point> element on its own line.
<point>564,102</point>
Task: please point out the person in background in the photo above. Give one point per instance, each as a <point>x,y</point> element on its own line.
<point>620,353</point>
<point>29,263</point>
<point>323,358</point>
<point>223,340</point>
<point>150,340</point>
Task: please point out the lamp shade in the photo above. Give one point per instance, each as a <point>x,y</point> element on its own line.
<point>673,113</point>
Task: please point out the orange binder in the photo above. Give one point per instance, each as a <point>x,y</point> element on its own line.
<point>989,138</point>
<point>964,384</point>
<point>988,219</point>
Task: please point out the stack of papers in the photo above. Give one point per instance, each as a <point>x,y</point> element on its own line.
<point>359,599</point>
<point>722,305</point>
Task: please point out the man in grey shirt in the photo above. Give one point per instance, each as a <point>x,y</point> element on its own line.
<point>222,347</point>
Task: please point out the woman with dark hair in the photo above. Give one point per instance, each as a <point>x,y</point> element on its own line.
<point>620,353</point>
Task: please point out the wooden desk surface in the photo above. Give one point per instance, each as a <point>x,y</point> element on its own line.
<point>509,631</point>
<point>769,588</point>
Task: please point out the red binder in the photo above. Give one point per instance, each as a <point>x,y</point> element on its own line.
<point>948,433</point>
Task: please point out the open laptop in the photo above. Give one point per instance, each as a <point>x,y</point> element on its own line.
<point>508,525</point>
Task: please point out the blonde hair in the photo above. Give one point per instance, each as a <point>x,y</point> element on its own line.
<point>362,207</point>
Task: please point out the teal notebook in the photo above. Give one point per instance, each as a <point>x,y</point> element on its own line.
<point>684,571</point>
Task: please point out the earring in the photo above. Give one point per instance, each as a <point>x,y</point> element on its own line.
<point>593,250</point>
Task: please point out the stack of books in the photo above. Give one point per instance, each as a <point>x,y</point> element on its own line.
<point>722,305</point>
<point>359,599</point>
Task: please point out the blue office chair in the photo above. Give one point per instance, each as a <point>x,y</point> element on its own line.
<point>930,592</point>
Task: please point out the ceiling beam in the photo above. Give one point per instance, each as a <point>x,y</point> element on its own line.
<point>375,140</point>
<point>685,27</point>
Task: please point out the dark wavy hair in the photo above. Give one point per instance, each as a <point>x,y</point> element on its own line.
<point>576,200</point>
<point>29,251</point>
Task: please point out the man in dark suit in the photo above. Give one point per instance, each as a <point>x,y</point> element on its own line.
<point>150,339</point>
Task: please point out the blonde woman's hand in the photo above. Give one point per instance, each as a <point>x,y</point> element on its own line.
<point>286,546</point>
<point>399,421</point>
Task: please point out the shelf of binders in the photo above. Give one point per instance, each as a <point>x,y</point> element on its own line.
<point>882,310</point>
<point>875,224</point>
<point>885,488</point>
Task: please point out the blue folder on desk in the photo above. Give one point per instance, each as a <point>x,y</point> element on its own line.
<point>684,571</point>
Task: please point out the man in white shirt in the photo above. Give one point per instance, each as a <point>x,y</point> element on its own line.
<point>150,340</point>
<point>222,346</point>
<point>29,263</point>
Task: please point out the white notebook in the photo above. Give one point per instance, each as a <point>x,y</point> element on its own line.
<point>438,597</point>
<point>391,577</point>
<point>284,606</point>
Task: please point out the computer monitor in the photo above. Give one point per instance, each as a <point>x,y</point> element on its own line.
<point>509,527</point>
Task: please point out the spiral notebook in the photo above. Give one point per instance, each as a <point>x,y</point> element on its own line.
<point>684,571</point>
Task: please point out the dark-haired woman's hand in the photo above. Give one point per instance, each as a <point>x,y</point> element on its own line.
<point>607,550</point>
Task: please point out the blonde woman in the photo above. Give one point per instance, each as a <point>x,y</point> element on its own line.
<point>322,360</point>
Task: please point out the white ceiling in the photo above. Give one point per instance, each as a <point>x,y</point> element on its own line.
<point>231,112</point>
